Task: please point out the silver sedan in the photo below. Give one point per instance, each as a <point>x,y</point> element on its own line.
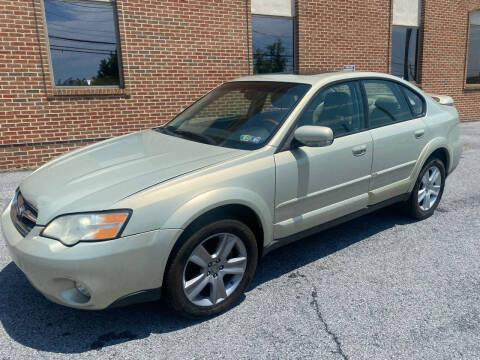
<point>187,209</point>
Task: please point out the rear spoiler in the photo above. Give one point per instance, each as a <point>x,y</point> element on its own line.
<point>442,99</point>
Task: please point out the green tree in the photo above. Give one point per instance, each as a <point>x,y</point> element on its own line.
<point>270,60</point>
<point>107,71</point>
<point>72,82</point>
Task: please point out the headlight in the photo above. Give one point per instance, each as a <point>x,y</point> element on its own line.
<point>71,229</point>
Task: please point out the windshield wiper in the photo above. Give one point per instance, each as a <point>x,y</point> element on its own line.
<point>187,135</point>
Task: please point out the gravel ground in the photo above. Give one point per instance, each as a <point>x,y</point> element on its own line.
<point>379,287</point>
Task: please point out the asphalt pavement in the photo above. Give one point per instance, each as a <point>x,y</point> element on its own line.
<point>379,287</point>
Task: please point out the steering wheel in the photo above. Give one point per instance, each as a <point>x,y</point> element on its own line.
<point>276,123</point>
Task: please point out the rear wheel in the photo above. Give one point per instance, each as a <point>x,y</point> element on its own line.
<point>428,190</point>
<point>211,269</point>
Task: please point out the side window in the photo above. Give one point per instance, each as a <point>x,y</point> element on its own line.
<point>386,103</point>
<point>340,107</point>
<point>415,102</point>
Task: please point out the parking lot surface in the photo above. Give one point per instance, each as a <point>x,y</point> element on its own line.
<point>379,287</point>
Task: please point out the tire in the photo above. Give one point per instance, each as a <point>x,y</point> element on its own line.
<point>194,278</point>
<point>423,209</point>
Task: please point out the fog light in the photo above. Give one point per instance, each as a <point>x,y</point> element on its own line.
<point>82,289</point>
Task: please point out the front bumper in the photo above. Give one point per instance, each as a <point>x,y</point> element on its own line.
<point>110,270</point>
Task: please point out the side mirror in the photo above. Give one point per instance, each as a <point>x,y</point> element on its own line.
<point>314,136</point>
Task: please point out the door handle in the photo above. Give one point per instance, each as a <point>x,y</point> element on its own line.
<point>419,133</point>
<point>359,150</point>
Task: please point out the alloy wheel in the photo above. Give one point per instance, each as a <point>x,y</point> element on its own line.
<point>429,189</point>
<point>214,269</point>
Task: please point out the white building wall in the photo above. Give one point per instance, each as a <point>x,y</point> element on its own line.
<point>273,7</point>
<point>406,12</point>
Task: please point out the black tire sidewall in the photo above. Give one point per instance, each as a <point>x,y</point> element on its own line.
<point>415,209</point>
<point>173,284</point>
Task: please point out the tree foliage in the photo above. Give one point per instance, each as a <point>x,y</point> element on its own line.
<point>108,73</point>
<point>271,59</point>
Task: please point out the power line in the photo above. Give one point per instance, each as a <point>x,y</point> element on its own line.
<point>81,40</point>
<point>72,3</point>
<point>82,48</point>
<point>64,17</point>
<point>80,51</point>
<point>82,29</point>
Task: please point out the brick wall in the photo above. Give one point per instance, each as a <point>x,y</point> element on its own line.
<point>341,32</point>
<point>444,53</point>
<point>174,51</point>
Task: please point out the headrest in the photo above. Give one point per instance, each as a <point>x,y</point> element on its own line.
<point>283,98</point>
<point>336,99</point>
<point>386,103</point>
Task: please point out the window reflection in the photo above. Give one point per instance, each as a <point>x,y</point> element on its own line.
<point>473,69</point>
<point>272,43</point>
<point>83,42</point>
<point>405,52</point>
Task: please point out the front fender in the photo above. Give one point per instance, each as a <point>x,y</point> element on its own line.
<point>210,200</point>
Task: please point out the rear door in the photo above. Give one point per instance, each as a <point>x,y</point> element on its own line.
<point>396,120</point>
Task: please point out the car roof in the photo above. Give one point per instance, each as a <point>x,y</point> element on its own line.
<point>318,78</point>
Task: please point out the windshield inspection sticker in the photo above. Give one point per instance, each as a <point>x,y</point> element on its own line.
<point>250,138</point>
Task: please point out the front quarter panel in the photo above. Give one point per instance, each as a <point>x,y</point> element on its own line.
<point>248,180</point>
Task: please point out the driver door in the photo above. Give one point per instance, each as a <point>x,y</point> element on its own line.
<point>315,185</point>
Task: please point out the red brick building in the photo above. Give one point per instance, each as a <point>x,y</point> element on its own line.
<point>73,72</point>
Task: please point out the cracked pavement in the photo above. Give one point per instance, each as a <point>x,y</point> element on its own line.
<point>378,287</point>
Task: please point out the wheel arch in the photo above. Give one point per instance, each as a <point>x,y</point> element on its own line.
<point>442,154</point>
<point>232,210</point>
<point>235,203</point>
<point>436,148</point>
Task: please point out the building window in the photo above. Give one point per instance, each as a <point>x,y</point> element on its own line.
<point>83,40</point>
<point>405,52</point>
<point>473,60</point>
<point>405,36</point>
<point>273,28</point>
<point>272,40</point>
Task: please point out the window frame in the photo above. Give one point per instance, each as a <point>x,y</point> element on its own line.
<point>285,144</point>
<point>401,87</point>
<point>467,86</point>
<point>86,89</point>
<point>248,81</point>
<point>336,83</point>
<point>294,40</point>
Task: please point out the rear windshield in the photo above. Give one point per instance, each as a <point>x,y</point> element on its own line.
<point>241,115</point>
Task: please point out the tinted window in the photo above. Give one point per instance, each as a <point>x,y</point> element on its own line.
<point>405,52</point>
<point>339,107</point>
<point>272,43</point>
<point>243,115</point>
<point>473,69</point>
<point>83,42</point>
<point>386,103</point>
<point>415,102</point>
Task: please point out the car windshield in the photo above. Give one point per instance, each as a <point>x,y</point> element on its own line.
<point>241,115</point>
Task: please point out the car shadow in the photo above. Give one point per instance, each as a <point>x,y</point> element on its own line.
<point>33,321</point>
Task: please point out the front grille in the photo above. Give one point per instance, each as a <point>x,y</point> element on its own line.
<point>23,214</point>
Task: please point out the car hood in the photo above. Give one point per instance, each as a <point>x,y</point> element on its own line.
<point>97,176</point>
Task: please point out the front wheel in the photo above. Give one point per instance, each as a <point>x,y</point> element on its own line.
<point>211,269</point>
<point>428,190</point>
